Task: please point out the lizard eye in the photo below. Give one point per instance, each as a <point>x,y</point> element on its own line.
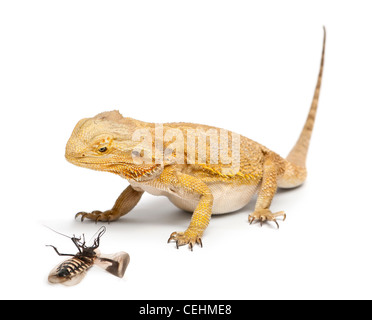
<point>103,149</point>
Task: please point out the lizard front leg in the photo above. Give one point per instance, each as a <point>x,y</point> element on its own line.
<point>189,186</point>
<point>126,202</point>
<point>266,194</point>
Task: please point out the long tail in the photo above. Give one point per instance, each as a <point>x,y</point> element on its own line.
<point>298,154</point>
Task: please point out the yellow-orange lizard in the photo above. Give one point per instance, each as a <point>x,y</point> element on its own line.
<point>201,169</point>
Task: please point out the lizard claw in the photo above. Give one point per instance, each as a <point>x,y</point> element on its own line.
<point>106,216</point>
<point>84,215</point>
<point>182,238</point>
<point>266,215</point>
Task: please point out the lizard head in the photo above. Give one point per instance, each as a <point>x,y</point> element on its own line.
<point>105,143</point>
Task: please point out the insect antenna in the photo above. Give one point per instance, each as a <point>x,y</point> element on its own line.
<point>77,241</point>
<point>58,232</point>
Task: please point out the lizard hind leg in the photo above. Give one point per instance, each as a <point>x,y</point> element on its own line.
<point>266,194</point>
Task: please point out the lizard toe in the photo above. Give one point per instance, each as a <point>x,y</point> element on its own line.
<point>105,216</point>
<point>264,215</point>
<point>183,238</point>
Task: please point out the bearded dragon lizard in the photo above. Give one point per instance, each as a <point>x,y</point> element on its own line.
<point>194,181</point>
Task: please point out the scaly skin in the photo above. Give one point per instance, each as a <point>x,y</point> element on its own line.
<point>193,182</point>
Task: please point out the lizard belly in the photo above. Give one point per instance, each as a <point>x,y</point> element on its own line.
<point>226,197</point>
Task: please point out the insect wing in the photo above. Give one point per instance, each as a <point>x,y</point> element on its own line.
<point>115,263</point>
<point>67,280</point>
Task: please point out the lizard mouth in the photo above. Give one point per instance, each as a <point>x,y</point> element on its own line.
<point>126,170</point>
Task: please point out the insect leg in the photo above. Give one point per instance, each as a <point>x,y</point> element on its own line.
<point>60,254</point>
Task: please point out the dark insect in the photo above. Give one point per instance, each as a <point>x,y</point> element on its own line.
<point>73,270</point>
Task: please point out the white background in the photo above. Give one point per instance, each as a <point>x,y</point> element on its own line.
<point>247,66</point>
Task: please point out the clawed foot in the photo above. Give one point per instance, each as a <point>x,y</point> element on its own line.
<point>182,238</point>
<point>266,215</point>
<point>105,216</point>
